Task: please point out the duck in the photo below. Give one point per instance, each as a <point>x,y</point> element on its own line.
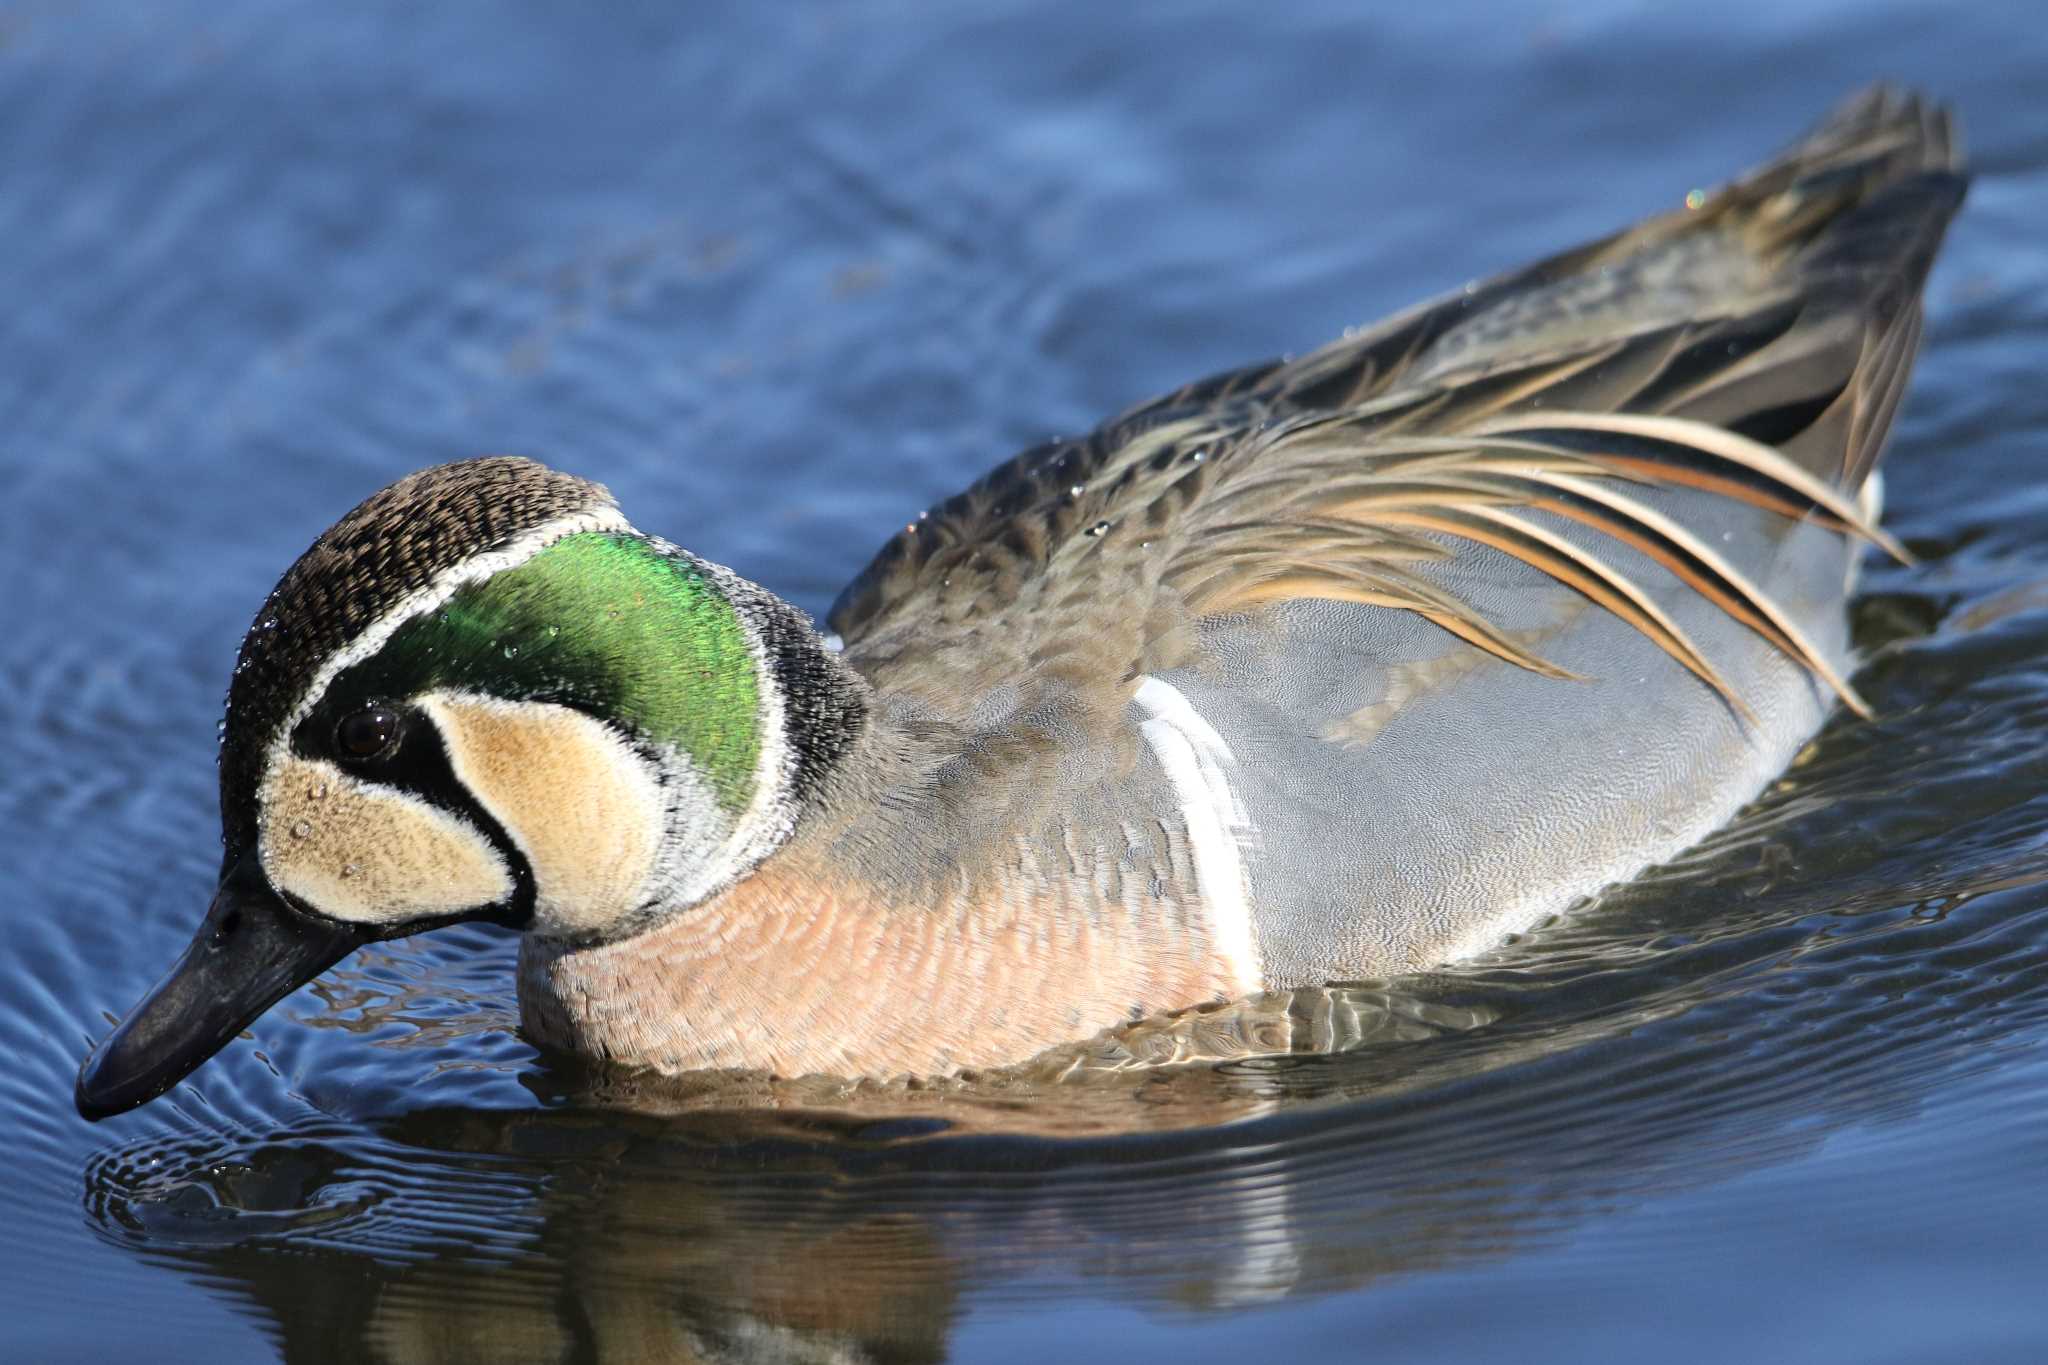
<point>1326,668</point>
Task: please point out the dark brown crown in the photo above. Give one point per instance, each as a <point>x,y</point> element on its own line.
<point>393,544</point>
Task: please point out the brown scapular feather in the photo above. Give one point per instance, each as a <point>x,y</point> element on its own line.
<point>1753,349</point>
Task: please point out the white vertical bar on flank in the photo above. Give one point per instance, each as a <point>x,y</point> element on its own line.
<point>1197,762</point>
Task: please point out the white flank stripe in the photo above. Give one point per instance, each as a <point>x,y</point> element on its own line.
<point>1197,762</point>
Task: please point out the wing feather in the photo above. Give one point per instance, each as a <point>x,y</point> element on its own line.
<point>1752,350</point>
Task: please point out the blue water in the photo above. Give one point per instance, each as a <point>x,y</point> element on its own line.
<point>781,276</point>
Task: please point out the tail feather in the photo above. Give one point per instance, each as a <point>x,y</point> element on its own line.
<point>1844,226</point>
<point>1785,307</point>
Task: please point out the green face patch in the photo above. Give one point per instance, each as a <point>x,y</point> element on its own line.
<point>601,622</point>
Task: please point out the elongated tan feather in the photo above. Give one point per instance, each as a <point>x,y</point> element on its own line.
<point>1750,351</point>
<point>1667,633</point>
<point>1803,648</point>
<point>1729,446</point>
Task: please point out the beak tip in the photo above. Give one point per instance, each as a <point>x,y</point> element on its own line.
<point>92,1107</point>
<point>98,1097</point>
<point>252,950</point>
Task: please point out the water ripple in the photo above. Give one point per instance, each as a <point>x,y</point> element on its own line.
<point>260,263</point>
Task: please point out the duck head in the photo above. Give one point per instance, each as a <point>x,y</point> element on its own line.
<point>481,695</point>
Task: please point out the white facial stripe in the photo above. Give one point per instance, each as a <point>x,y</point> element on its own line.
<point>582,805</point>
<point>451,580</point>
<point>1198,763</point>
<point>360,851</point>
<point>418,840</point>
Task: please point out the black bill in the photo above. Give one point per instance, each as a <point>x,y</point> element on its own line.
<point>252,951</point>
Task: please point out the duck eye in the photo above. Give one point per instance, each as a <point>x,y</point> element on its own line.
<point>367,733</point>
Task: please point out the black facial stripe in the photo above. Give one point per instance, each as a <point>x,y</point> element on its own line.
<point>418,764</point>
<point>393,544</point>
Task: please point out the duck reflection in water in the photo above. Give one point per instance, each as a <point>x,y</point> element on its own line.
<point>746,1221</point>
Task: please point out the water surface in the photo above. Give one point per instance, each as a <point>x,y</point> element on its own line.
<point>780,277</point>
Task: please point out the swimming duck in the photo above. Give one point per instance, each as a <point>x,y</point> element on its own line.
<point>1329,667</point>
